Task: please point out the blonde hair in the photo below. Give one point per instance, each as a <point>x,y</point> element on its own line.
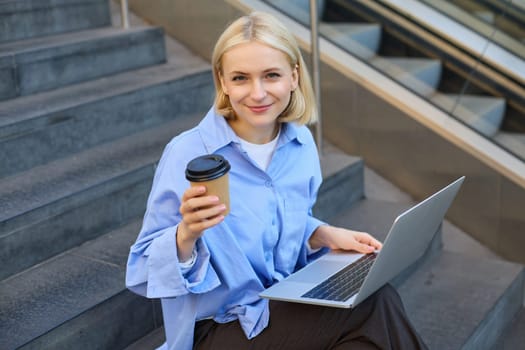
<point>266,29</point>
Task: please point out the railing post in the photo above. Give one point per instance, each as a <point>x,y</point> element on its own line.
<point>314,24</point>
<point>124,14</point>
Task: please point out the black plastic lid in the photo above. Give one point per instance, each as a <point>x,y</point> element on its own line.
<point>208,167</point>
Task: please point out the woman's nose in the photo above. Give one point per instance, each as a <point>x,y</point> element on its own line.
<point>258,91</point>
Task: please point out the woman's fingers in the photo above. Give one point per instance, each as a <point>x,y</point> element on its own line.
<point>367,240</point>
<point>205,213</point>
<point>197,203</point>
<point>371,241</point>
<point>200,213</point>
<point>195,222</point>
<point>363,248</point>
<point>203,224</point>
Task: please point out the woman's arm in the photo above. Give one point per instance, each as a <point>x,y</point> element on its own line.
<point>153,268</point>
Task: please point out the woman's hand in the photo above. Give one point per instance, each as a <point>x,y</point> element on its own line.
<point>341,238</point>
<point>199,212</point>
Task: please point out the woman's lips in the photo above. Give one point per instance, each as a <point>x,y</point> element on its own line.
<point>259,109</point>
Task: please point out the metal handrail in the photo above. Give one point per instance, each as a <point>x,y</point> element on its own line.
<point>124,14</point>
<point>314,32</point>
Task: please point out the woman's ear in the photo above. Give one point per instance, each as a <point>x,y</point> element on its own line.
<point>295,77</point>
<point>223,85</point>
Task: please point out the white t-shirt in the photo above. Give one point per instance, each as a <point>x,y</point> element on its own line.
<point>261,154</point>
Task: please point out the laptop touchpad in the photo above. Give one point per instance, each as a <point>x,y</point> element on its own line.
<point>317,272</point>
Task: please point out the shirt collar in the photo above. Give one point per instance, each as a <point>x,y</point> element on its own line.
<point>216,133</point>
<point>291,132</point>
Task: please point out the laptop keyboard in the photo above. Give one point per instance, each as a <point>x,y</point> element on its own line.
<point>345,283</point>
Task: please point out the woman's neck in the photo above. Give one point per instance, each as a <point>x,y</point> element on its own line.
<point>256,136</point>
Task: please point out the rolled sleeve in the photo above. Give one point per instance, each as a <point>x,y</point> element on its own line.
<point>201,278</point>
<point>164,274</point>
<point>312,224</point>
<point>154,269</point>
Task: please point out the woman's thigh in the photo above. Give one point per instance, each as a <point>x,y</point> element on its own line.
<point>292,326</point>
<point>300,326</point>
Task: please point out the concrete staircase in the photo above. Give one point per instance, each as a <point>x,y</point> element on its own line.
<point>81,150</point>
<point>85,112</point>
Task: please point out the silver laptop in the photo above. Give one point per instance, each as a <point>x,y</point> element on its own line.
<point>344,279</point>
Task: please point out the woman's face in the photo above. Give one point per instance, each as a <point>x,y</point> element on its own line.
<point>258,80</point>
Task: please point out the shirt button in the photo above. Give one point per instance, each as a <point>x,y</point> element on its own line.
<point>268,184</point>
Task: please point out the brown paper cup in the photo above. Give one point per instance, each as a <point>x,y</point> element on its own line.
<point>211,171</point>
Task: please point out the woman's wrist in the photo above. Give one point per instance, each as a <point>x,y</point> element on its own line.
<point>184,244</point>
<point>319,238</point>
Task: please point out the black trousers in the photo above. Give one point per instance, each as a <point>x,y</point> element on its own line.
<point>380,322</point>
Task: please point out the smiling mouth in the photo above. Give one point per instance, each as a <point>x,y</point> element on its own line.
<point>259,109</point>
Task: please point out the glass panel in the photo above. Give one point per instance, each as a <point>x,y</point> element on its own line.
<point>454,85</point>
<point>499,21</point>
<point>502,24</point>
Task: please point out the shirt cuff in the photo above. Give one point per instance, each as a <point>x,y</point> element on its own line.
<point>186,266</point>
<point>310,250</point>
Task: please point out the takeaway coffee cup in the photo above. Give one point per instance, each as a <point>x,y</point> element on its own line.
<point>211,170</point>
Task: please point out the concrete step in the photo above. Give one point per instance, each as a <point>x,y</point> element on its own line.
<point>77,300</point>
<point>22,19</point>
<point>46,63</point>
<point>418,74</point>
<point>297,9</point>
<point>361,39</point>
<point>150,341</point>
<point>49,209</point>
<point>460,302</point>
<point>40,128</point>
<point>514,336</point>
<point>482,113</point>
<point>343,182</point>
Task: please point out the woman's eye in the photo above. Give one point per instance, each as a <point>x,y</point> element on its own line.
<point>273,75</point>
<point>238,78</point>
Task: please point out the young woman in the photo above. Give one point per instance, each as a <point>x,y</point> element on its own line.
<point>208,268</point>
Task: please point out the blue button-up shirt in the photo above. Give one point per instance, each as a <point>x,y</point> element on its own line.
<point>261,241</point>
